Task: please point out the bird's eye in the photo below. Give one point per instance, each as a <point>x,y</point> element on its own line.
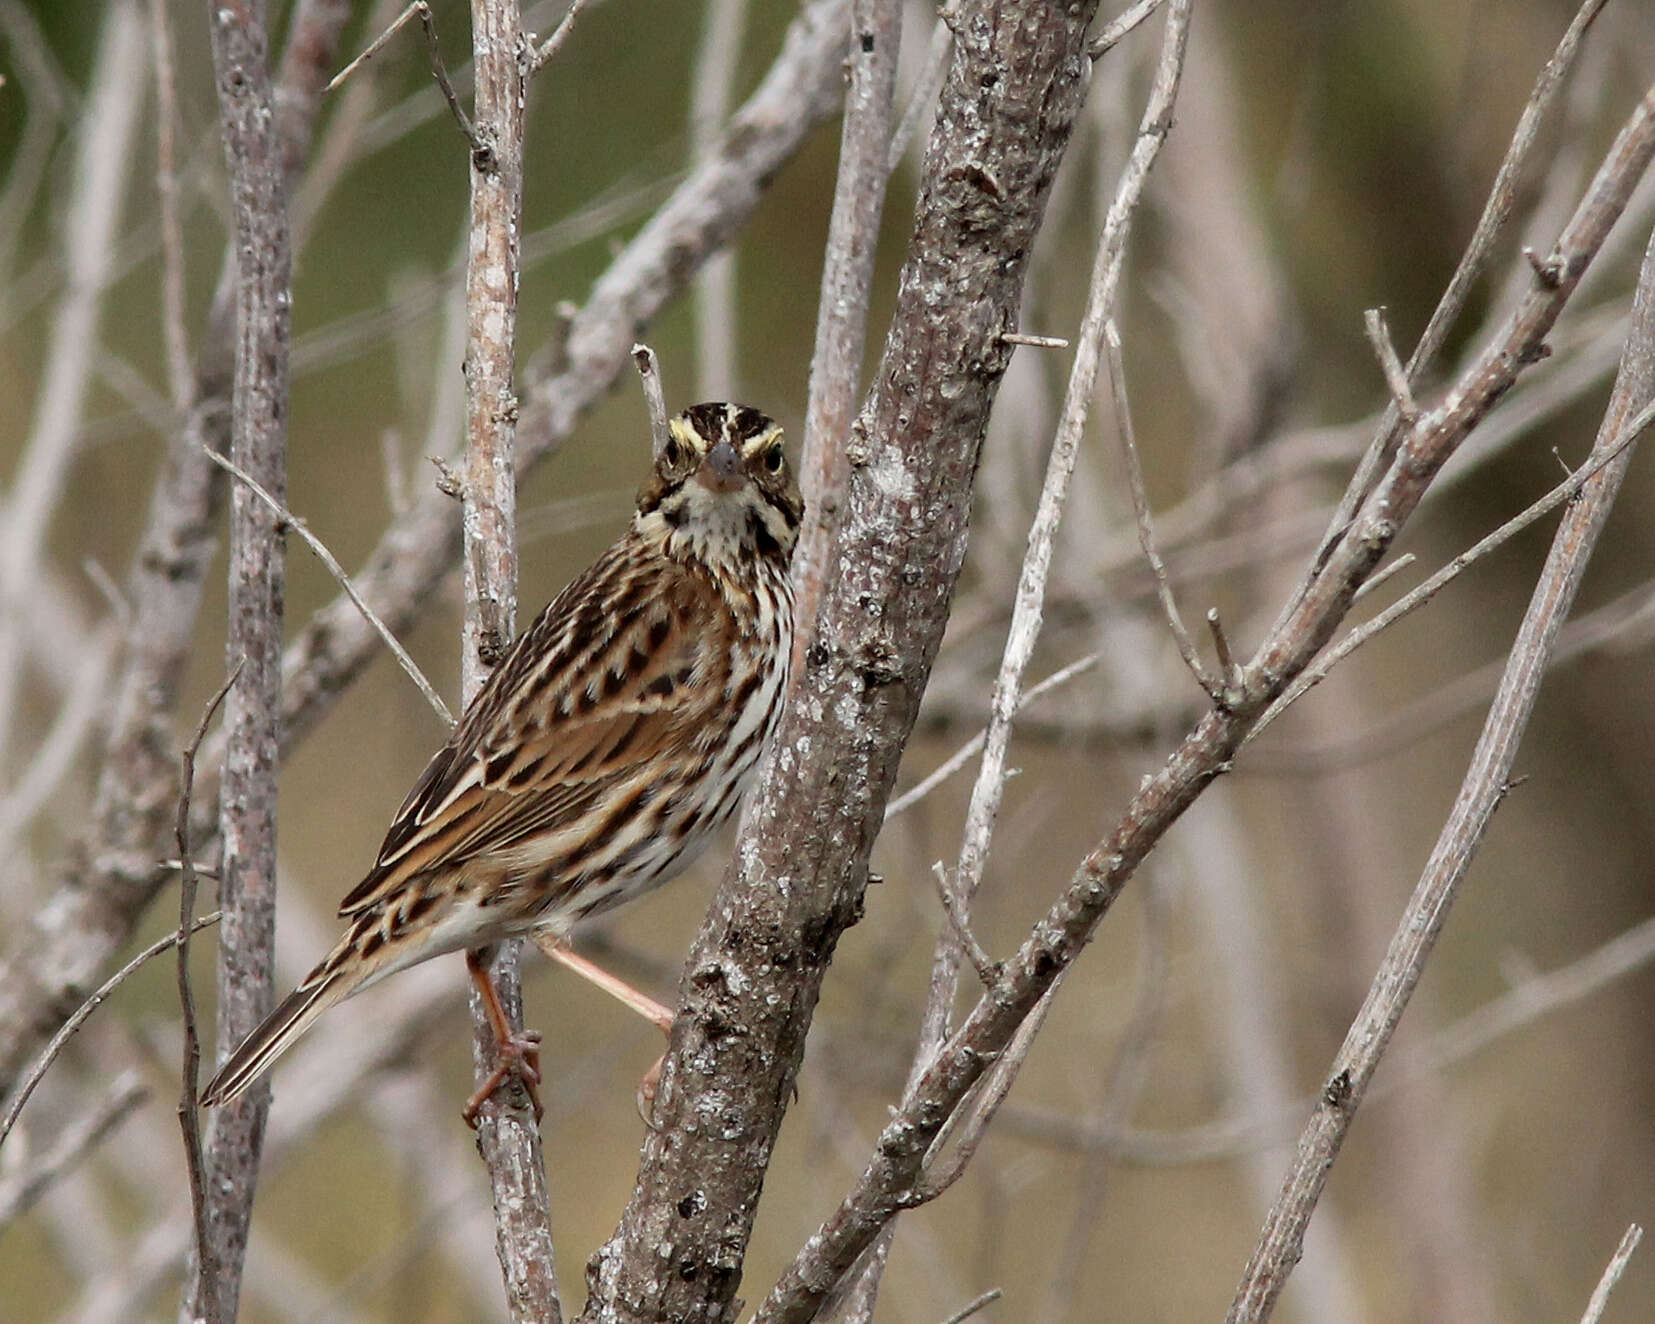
<point>773,459</point>
<point>671,453</point>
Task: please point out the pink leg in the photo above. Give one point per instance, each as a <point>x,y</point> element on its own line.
<point>623,992</point>
<point>617,988</point>
<point>518,1052</point>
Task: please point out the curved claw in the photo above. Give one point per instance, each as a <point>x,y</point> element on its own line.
<point>518,1055</point>
<point>645,1098</point>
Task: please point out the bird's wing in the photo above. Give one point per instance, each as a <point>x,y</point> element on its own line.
<point>619,668</point>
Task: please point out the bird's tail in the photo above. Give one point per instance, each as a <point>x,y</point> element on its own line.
<point>277,1033</point>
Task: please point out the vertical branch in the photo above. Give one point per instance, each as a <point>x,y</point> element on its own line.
<point>204,1285</point>
<point>252,720</point>
<point>751,982</point>
<point>1485,785</point>
<point>1031,588</point>
<point>847,281</point>
<point>507,1136</point>
<point>841,342</point>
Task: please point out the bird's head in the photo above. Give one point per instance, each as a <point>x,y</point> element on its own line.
<point>722,488</point>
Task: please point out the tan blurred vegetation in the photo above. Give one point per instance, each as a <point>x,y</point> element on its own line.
<point>1326,159</point>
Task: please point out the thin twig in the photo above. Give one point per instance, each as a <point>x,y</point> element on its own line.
<point>1119,26</point>
<point>971,1121</point>
<point>985,966</point>
<point>1034,342</point>
<point>655,399</point>
<point>74,1143</point>
<point>1502,197</point>
<point>291,521</point>
<point>1396,378</point>
<point>1623,623</point>
<point>433,54</point>
<point>971,1307</point>
<point>549,48</point>
<point>65,1032</point>
<point>1383,574</point>
<point>963,755</point>
<point>1216,687</point>
<point>1568,490</point>
<point>205,1292</point>
<point>1487,779</point>
<point>1028,611</point>
<point>1612,1275</point>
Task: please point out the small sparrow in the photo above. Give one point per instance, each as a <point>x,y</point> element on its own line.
<point>614,739</point>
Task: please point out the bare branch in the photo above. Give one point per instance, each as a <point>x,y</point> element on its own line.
<point>1612,1274</point>
<point>103,160</point>
<point>73,1144</point>
<point>433,54</point>
<point>205,1289</point>
<point>67,942</point>
<point>655,398</point>
<point>1496,212</point>
<point>179,377</point>
<point>810,822</point>
<point>289,521</point>
<point>1205,753</point>
<point>1120,26</point>
<point>1568,490</point>
<point>1485,785</point>
<point>1216,687</point>
<point>38,1068</point>
<point>714,296</point>
<point>507,1136</point>
<point>972,1120</point>
<point>1096,329</point>
<point>847,282</point>
<point>253,642</point>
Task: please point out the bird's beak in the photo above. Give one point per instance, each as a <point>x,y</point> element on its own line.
<point>721,471</point>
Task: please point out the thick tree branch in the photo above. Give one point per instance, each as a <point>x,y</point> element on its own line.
<point>890,1180</point>
<point>751,983</point>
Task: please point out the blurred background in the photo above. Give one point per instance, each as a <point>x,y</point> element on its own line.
<point>1325,159</point>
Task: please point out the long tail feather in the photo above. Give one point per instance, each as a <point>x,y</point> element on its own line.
<point>278,1032</point>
